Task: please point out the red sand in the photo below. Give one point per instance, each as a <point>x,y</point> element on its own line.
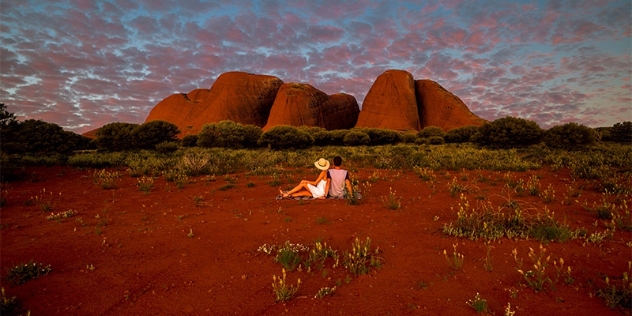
<point>145,264</point>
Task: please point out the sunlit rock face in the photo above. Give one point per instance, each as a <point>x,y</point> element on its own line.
<point>439,107</point>
<point>391,103</point>
<point>237,96</point>
<point>240,97</point>
<point>397,101</point>
<point>300,104</point>
<point>180,109</point>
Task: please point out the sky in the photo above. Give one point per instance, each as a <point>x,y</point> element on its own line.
<point>84,63</point>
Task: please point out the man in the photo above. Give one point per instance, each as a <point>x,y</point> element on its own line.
<point>337,179</point>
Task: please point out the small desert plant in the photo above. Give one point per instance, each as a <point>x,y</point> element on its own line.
<point>324,291</point>
<point>44,199</point>
<point>425,174</point>
<point>548,195</point>
<point>360,260</point>
<point>618,293</point>
<point>391,202</point>
<point>319,254</point>
<point>105,179</point>
<point>27,271</point>
<point>288,255</point>
<point>561,273</point>
<point>533,185</point>
<point>536,278</point>
<point>455,187</point>
<point>8,305</point>
<point>357,189</point>
<point>478,304</point>
<point>66,214</point>
<point>195,161</point>
<point>282,290</point>
<point>145,184</point>
<point>456,260</point>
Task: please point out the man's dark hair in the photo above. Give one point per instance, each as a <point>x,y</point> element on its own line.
<point>337,161</point>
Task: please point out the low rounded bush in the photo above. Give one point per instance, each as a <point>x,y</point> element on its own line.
<point>430,131</point>
<point>189,141</point>
<point>435,140</point>
<point>167,147</point>
<point>569,136</point>
<point>356,138</point>
<point>382,136</point>
<point>284,137</point>
<point>116,136</point>
<point>460,134</point>
<point>409,138</point>
<point>150,134</point>
<point>508,132</point>
<point>337,136</point>
<point>228,134</point>
<point>322,138</point>
<point>622,132</point>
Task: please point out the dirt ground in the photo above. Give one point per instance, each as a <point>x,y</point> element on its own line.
<point>193,251</point>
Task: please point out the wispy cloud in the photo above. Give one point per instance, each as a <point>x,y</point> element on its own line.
<point>82,64</point>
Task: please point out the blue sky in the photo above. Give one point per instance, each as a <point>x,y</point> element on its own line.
<point>85,63</point>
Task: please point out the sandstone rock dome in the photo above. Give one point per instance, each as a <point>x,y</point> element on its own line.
<point>300,104</point>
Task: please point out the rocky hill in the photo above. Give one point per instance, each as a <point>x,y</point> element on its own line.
<point>395,101</point>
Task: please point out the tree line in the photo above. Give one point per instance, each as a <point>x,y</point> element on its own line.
<point>39,137</point>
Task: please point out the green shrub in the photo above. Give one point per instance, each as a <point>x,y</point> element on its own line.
<point>356,138</point>
<point>430,131</point>
<point>622,132</point>
<point>150,134</point>
<point>409,138</point>
<point>229,134</point>
<point>116,137</point>
<point>337,136</point>
<point>167,147</point>
<point>435,140</point>
<point>460,134</point>
<point>189,141</point>
<point>285,137</point>
<point>39,137</point>
<point>27,271</point>
<point>569,136</point>
<point>322,138</point>
<point>508,132</point>
<point>382,136</point>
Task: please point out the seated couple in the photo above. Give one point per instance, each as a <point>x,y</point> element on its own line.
<point>330,182</point>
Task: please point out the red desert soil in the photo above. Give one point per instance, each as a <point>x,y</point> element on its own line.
<point>144,263</point>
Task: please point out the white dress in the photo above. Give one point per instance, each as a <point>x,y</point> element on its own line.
<point>317,190</point>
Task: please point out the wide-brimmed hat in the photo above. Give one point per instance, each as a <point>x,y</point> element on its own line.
<point>322,164</point>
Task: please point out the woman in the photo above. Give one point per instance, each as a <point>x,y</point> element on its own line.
<point>317,189</point>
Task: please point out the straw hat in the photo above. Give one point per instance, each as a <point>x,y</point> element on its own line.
<point>322,164</point>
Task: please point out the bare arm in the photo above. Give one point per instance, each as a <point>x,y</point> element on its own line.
<point>349,188</point>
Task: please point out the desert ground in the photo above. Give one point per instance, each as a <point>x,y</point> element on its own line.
<point>194,250</point>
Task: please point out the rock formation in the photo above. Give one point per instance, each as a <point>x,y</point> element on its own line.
<point>396,101</point>
<point>180,109</point>
<point>391,103</point>
<point>237,96</point>
<point>299,104</point>
<point>342,111</point>
<point>441,108</point>
<point>240,97</point>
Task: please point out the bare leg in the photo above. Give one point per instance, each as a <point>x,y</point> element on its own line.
<point>299,188</point>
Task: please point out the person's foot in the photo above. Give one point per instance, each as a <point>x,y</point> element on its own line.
<point>283,194</point>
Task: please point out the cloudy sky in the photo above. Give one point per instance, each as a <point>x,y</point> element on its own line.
<point>85,63</point>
